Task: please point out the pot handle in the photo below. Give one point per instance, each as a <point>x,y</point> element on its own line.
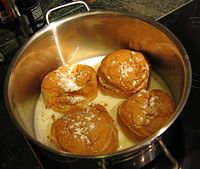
<point>66,5</point>
<point>168,154</point>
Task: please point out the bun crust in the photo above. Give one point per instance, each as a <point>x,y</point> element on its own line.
<point>68,86</point>
<point>123,73</point>
<point>145,113</point>
<point>85,131</point>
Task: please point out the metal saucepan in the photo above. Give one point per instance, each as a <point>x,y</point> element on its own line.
<point>85,35</point>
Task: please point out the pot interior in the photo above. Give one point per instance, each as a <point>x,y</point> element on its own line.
<point>88,35</point>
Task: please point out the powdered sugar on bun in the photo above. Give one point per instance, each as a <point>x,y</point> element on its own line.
<point>88,130</point>
<point>123,73</point>
<point>68,86</point>
<point>145,112</point>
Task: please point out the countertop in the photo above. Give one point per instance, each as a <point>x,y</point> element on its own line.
<point>15,153</point>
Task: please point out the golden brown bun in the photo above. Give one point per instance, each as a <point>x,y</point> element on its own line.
<point>145,113</point>
<point>68,86</point>
<point>85,131</point>
<point>123,73</point>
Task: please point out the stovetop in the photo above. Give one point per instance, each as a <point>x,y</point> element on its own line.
<point>185,144</point>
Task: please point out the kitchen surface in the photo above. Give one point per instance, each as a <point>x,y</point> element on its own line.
<point>17,153</point>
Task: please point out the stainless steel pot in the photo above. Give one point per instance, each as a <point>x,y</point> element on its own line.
<point>85,35</point>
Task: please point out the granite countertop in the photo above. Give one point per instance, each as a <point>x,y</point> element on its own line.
<point>148,8</point>
<point>15,152</point>
<point>153,9</point>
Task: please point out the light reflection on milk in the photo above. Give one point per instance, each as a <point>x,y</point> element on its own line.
<point>44,117</point>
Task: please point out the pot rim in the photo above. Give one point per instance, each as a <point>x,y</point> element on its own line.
<point>143,144</point>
